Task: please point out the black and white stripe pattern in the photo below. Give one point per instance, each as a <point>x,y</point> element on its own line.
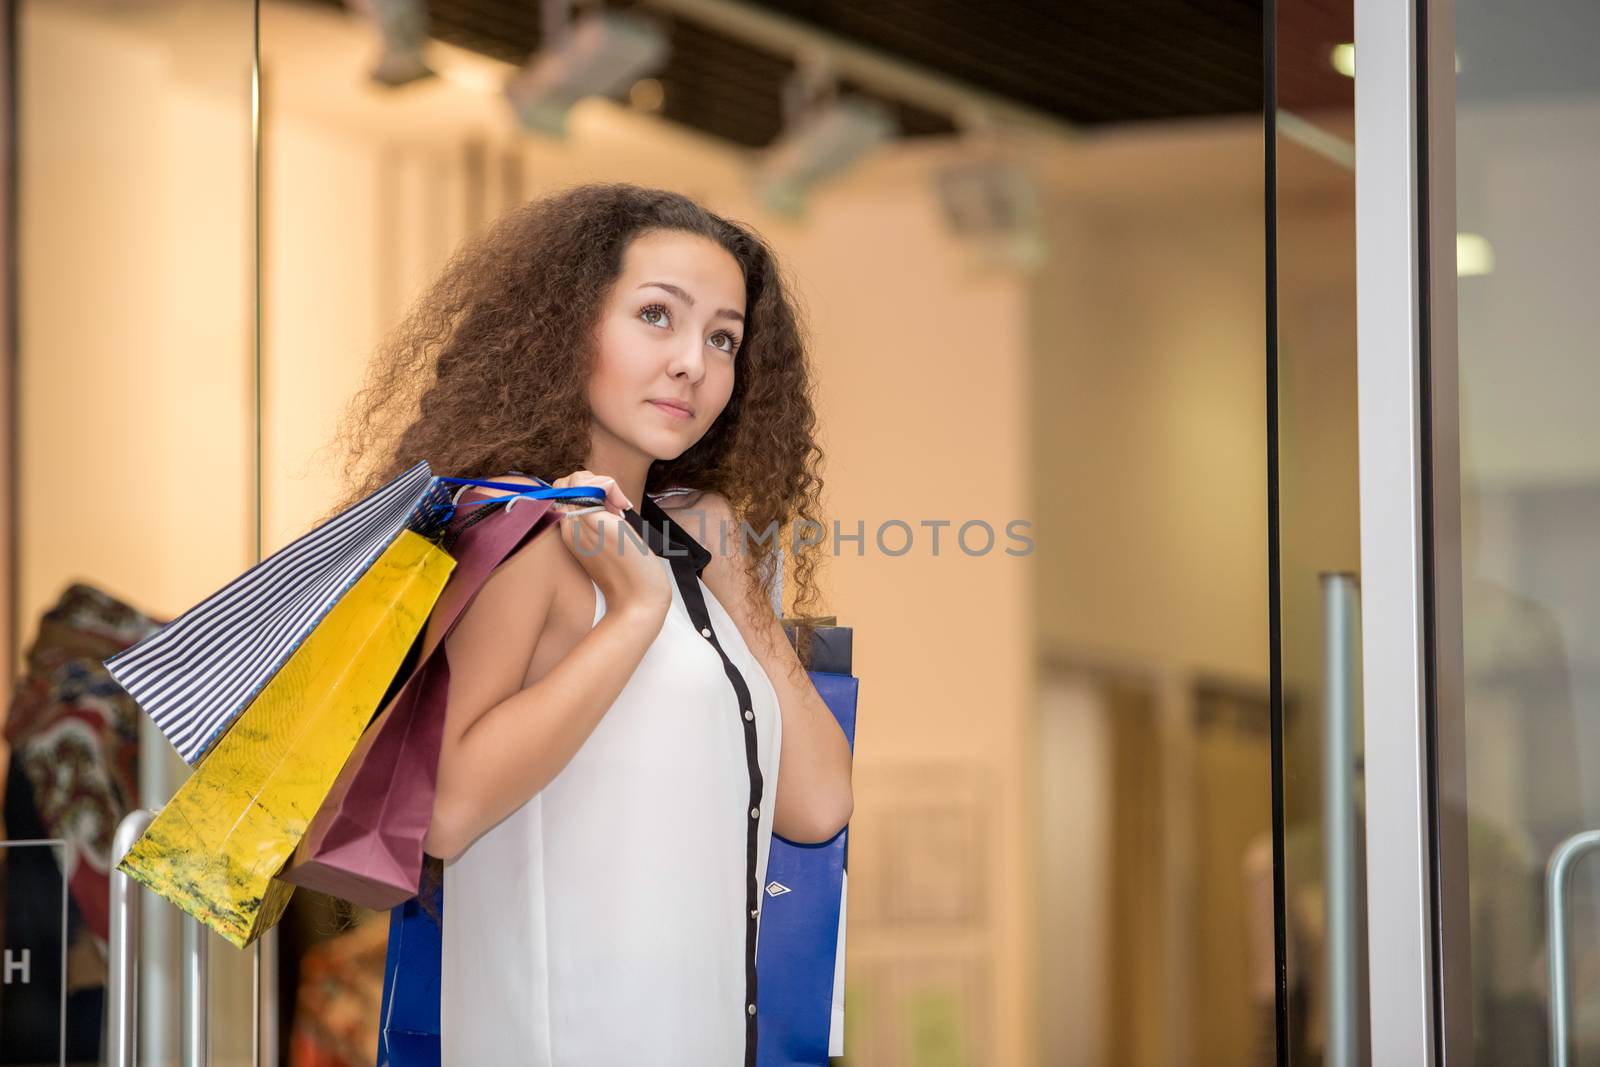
<point>195,675</point>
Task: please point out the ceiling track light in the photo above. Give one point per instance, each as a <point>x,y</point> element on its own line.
<point>602,53</point>
<point>824,134</point>
<point>402,27</point>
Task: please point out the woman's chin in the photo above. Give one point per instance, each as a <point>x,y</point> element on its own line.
<point>663,447</point>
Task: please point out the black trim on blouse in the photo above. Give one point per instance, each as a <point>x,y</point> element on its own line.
<point>689,558</point>
<point>665,537</point>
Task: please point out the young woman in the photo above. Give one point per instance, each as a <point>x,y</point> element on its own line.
<point>610,777</point>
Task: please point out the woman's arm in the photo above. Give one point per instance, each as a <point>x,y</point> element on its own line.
<point>814,795</point>
<point>503,743</point>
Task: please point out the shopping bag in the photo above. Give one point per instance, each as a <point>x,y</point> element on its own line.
<point>409,1033</point>
<point>800,944</point>
<point>197,674</point>
<point>216,846</point>
<point>365,844</point>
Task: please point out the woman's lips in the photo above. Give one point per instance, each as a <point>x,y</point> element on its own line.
<point>671,409</point>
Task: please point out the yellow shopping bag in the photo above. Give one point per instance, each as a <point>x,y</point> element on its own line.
<point>216,846</point>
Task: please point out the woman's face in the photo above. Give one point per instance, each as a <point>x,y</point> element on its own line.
<point>667,345</point>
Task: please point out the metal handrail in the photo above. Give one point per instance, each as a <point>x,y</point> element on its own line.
<point>122,978</point>
<point>1341,709</point>
<point>1558,879</point>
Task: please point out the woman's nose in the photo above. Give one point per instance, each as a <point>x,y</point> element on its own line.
<point>687,361</point>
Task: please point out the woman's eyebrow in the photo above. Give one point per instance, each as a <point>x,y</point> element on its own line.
<point>724,313</point>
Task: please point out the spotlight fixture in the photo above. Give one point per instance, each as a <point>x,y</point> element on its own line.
<point>824,133</point>
<point>604,53</point>
<point>402,27</point>
<point>819,145</point>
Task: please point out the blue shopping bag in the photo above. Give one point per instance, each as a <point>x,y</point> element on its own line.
<point>408,1035</point>
<point>799,947</point>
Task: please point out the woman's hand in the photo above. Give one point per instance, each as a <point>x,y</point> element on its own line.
<point>617,559</point>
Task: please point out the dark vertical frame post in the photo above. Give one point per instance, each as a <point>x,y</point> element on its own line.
<point>1441,497</point>
<point>1280,960</point>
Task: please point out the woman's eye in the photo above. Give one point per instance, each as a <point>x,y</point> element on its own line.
<point>657,314</point>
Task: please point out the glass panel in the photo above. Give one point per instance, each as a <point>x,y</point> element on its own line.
<point>135,431</point>
<point>1319,536</point>
<point>1528,242</point>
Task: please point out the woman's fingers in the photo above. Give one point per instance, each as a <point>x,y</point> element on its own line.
<point>614,496</point>
<point>615,500</point>
<point>594,529</point>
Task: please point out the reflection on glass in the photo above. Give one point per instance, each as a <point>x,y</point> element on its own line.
<point>1527,131</point>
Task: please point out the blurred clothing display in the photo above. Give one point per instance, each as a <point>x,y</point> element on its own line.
<point>75,733</point>
<point>336,1007</point>
<point>71,774</point>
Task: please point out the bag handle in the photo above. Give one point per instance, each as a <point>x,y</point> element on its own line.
<point>543,492</point>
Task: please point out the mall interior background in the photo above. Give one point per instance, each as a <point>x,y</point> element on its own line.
<point>1060,850</point>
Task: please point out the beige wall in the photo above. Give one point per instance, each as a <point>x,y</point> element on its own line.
<point>134,312</point>
<point>1150,408</point>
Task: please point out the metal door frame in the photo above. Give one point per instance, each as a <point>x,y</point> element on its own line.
<point>1418,949</point>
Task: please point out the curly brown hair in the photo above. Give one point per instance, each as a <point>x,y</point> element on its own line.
<point>481,377</point>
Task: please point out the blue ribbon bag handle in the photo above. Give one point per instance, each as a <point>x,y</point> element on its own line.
<point>591,493</point>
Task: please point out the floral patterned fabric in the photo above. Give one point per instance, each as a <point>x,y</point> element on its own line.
<point>76,731</point>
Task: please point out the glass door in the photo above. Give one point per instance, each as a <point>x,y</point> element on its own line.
<point>1478,140</point>
<point>1518,535</point>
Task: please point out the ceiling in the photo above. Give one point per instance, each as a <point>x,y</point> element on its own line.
<point>1087,64</point>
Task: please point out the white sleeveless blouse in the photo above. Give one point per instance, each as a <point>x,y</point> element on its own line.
<point>611,920</point>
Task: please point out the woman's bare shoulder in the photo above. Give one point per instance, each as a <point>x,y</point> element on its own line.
<point>676,496</point>
<point>684,499</point>
<point>523,599</point>
<point>702,513</point>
